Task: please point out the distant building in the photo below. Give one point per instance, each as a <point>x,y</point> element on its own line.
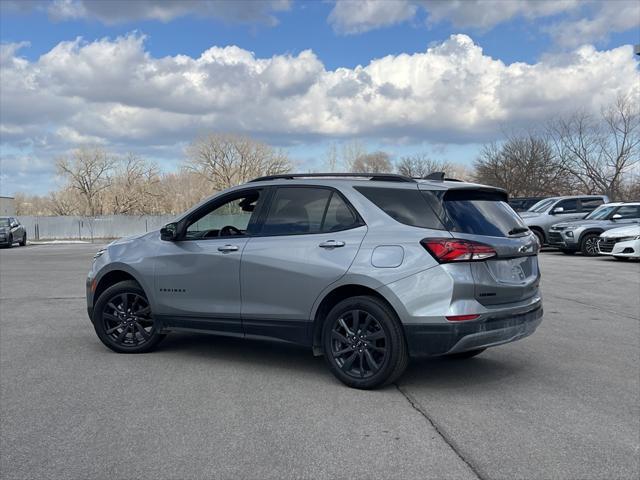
<point>7,206</point>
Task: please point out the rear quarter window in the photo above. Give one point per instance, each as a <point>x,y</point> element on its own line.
<point>406,206</point>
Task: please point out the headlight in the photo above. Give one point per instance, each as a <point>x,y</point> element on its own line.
<point>627,239</point>
<point>99,253</point>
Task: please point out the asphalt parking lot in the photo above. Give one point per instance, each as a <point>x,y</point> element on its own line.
<point>563,403</point>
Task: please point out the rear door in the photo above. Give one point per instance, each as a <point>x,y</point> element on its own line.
<point>484,216</point>
<point>307,240</point>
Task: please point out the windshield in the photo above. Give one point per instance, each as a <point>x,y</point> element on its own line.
<point>600,213</point>
<point>4,222</point>
<point>542,205</point>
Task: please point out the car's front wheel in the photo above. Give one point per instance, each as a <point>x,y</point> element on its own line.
<point>589,244</point>
<point>364,344</point>
<point>23,242</point>
<point>123,320</point>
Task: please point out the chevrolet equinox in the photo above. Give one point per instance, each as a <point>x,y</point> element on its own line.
<point>365,269</point>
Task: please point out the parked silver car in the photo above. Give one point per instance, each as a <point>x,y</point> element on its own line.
<point>550,211</point>
<point>12,231</point>
<point>366,269</point>
<point>583,235</point>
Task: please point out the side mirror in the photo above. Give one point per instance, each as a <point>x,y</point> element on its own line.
<point>616,216</point>
<point>557,210</point>
<point>169,232</point>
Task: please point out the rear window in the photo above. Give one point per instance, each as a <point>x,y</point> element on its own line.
<point>479,213</point>
<point>405,206</point>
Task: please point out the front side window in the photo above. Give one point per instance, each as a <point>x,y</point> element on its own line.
<point>568,206</point>
<point>627,212</point>
<point>304,210</point>
<point>231,218</point>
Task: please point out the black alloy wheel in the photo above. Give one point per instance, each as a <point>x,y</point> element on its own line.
<point>358,344</point>
<point>363,342</point>
<point>589,245</point>
<point>123,320</point>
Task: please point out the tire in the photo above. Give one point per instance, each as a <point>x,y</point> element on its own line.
<point>467,354</point>
<point>10,244</point>
<point>539,235</point>
<point>364,344</point>
<point>589,244</point>
<point>124,333</point>
<point>23,242</point>
<point>567,252</point>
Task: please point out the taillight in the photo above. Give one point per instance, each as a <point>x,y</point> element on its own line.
<point>446,250</point>
<point>462,318</point>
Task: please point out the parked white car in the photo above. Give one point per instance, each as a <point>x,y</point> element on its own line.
<point>622,243</point>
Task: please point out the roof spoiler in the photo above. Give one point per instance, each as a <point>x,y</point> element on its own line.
<point>440,177</point>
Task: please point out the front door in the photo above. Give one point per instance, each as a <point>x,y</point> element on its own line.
<point>309,239</point>
<point>197,278</point>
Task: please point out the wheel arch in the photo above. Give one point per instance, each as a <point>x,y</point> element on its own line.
<point>331,299</point>
<point>112,277</point>
<point>540,230</point>
<point>596,231</point>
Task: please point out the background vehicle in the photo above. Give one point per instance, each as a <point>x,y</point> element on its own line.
<point>623,243</point>
<point>367,269</point>
<point>11,231</point>
<point>522,204</point>
<point>583,235</point>
<point>545,213</point>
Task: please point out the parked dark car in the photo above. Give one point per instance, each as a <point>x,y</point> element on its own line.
<point>12,231</point>
<point>522,204</point>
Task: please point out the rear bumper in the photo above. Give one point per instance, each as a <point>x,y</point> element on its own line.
<point>441,339</point>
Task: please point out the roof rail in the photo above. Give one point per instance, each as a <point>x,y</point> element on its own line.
<point>380,177</point>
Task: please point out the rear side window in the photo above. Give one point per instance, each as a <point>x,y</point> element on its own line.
<point>403,205</point>
<point>304,210</point>
<point>478,213</point>
<point>590,204</point>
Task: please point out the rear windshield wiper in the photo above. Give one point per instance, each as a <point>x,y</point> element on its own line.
<point>517,230</point>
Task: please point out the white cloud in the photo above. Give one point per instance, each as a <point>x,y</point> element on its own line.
<point>356,16</point>
<point>573,22</point>
<point>115,93</point>
<point>112,12</point>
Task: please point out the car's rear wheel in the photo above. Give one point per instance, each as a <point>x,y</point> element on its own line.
<point>589,244</point>
<point>123,320</point>
<point>23,242</point>
<point>364,345</point>
<point>467,354</point>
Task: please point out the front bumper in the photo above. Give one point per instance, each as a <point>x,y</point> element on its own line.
<point>441,339</point>
<point>627,248</point>
<point>559,239</point>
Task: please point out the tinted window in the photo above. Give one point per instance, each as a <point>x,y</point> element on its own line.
<point>338,216</point>
<point>230,218</point>
<point>628,211</point>
<point>590,204</point>
<point>405,206</point>
<point>480,213</point>
<point>296,210</point>
<point>569,206</point>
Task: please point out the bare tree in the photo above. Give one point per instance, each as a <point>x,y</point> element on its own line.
<point>376,162</point>
<point>134,187</point>
<point>65,202</point>
<point>522,165</point>
<point>351,151</point>
<point>420,165</point>
<point>599,151</point>
<point>88,172</point>
<point>227,159</point>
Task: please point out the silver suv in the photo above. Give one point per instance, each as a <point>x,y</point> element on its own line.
<point>584,235</point>
<point>366,269</point>
<point>550,211</point>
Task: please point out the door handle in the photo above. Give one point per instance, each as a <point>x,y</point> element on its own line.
<point>228,248</point>
<point>332,244</point>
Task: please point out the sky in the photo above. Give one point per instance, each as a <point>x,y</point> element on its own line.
<point>403,76</point>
